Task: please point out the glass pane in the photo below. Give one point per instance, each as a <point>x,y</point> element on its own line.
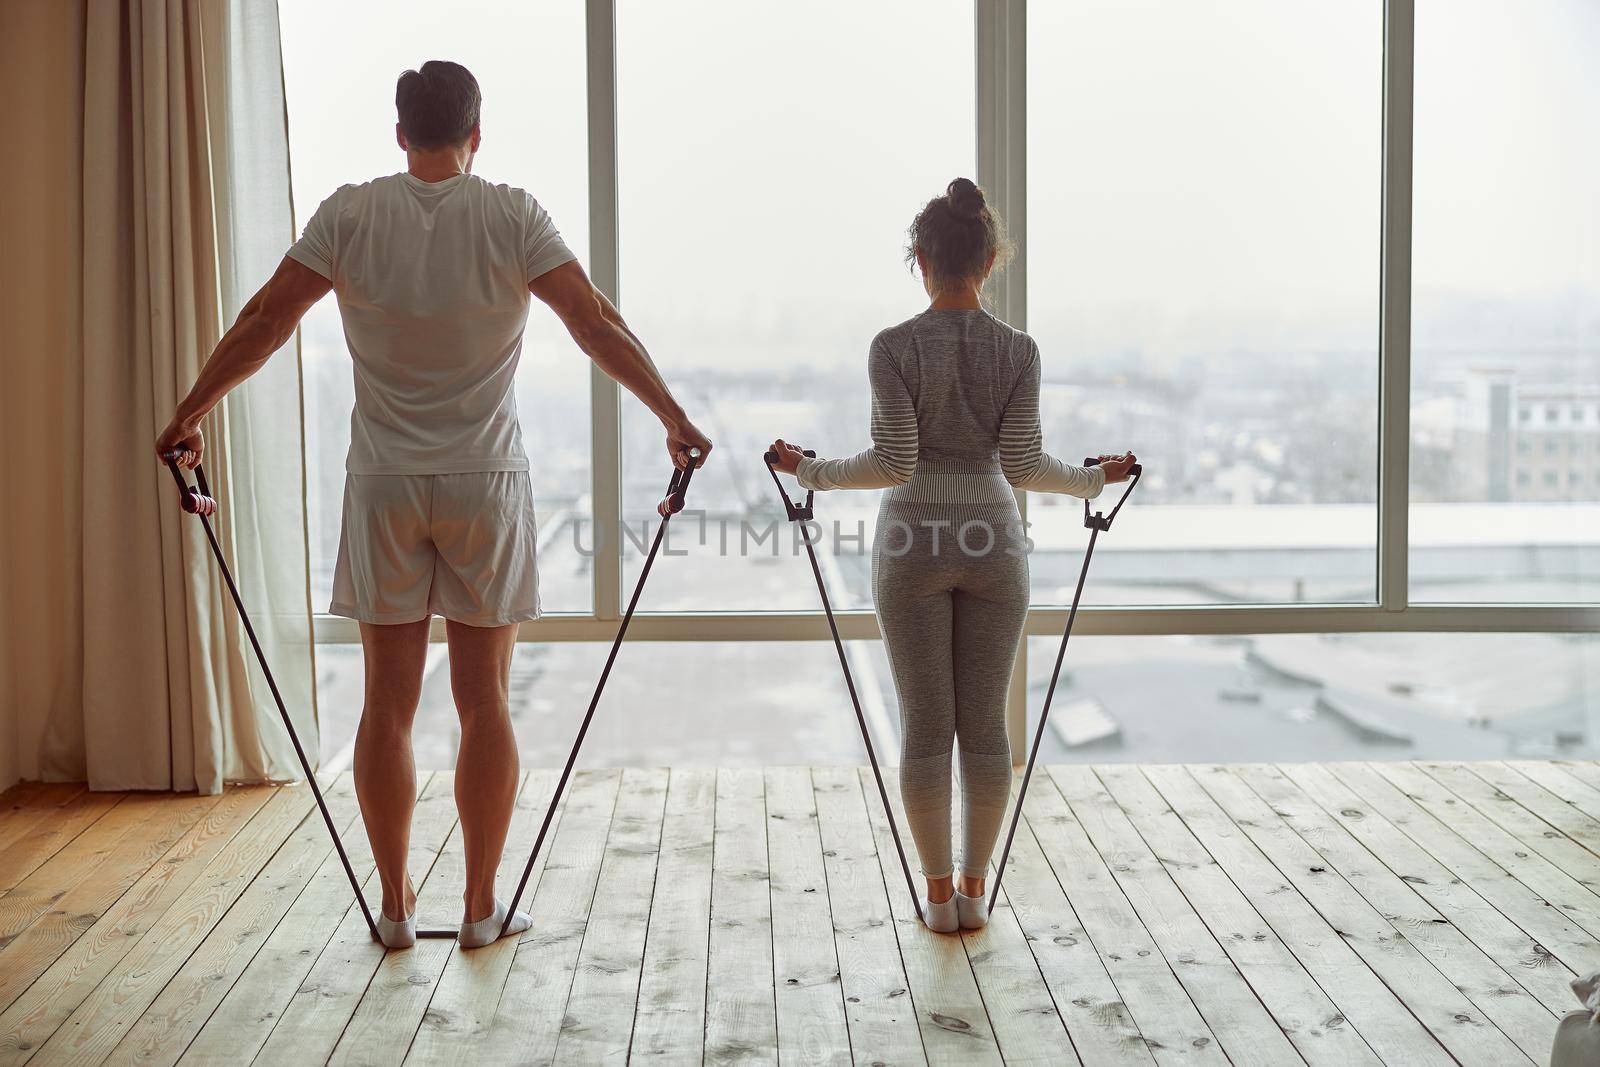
<point>771,158</point>
<point>1203,260</point>
<point>341,130</point>
<point>755,704</point>
<point>1285,697</point>
<point>1505,388</point>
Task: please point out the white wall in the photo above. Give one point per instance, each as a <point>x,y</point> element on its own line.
<point>41,81</point>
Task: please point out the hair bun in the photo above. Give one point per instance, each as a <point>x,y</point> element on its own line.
<point>965,197</point>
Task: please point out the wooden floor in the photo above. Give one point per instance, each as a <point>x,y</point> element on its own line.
<point>1327,913</point>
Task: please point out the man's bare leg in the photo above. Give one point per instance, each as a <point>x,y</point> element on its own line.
<point>486,766</point>
<point>385,772</point>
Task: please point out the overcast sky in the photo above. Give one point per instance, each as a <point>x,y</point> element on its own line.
<point>1191,163</point>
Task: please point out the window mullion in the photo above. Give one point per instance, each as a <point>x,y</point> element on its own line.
<point>605,411</point>
<point>1001,126</point>
<point>1394,340</point>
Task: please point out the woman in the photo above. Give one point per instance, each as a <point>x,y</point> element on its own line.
<point>955,427</point>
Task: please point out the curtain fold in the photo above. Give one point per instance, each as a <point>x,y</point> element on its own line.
<point>185,213</point>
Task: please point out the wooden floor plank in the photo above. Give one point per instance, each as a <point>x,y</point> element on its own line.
<point>91,1032</point>
<point>1319,1030</point>
<point>468,992</point>
<point>741,1013</point>
<point>878,1007</point>
<point>74,900</point>
<point>1368,805</point>
<point>44,888</point>
<point>162,1034</point>
<point>60,827</point>
<point>950,1011</point>
<point>1517,857</point>
<point>99,952</point>
<point>27,805</point>
<point>1553,808</point>
<point>1247,1031</point>
<point>309,1028</point>
<point>1022,1011</point>
<point>1097,1021</point>
<point>1569,854</point>
<point>1378,1015</point>
<point>1585,771</point>
<point>527,1022</point>
<point>811,1020</point>
<point>1161,1007</point>
<point>670,1025</point>
<point>1558,780</point>
<point>1330,914</point>
<point>598,1023</point>
<point>244,1020</point>
<point>1426,982</point>
<point>1495,991</point>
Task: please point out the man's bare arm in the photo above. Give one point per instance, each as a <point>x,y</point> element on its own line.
<point>263,327</point>
<point>600,331</point>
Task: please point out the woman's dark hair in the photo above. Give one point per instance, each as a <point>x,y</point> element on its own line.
<point>957,233</point>
<point>438,104</point>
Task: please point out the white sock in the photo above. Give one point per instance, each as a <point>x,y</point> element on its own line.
<point>941,918</point>
<point>974,911</point>
<point>487,931</point>
<point>397,933</point>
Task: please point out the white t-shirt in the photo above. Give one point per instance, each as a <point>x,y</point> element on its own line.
<point>432,282</point>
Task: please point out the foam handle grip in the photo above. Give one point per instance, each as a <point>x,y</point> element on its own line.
<point>772,457</point>
<point>678,487</point>
<point>1133,471</point>
<point>196,501</point>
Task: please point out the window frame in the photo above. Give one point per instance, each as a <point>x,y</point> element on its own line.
<point>1000,40</point>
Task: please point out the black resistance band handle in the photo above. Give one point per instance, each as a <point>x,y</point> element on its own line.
<point>1099,520</point>
<point>678,487</point>
<point>796,512</point>
<point>195,499</point>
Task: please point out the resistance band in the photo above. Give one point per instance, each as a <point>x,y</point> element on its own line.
<point>1095,523</point>
<point>670,505</point>
<point>197,500</point>
<point>803,514</point>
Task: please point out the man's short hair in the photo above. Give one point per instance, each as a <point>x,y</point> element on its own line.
<point>438,104</point>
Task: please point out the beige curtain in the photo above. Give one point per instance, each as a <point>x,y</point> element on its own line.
<point>185,211</point>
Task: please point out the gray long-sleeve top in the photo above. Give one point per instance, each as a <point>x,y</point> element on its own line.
<point>952,391</point>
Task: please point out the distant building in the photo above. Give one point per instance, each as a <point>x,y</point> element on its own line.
<point>1535,442</point>
<point>1556,429</point>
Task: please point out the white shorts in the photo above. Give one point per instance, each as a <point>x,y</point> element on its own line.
<point>459,545</point>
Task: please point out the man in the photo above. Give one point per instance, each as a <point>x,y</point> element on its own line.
<point>433,268</point>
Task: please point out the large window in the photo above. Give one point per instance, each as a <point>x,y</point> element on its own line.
<point>1202,193</point>
<point>1505,394</point>
<point>765,191</point>
<point>1203,258</point>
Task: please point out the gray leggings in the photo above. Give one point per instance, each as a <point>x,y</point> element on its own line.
<point>951,622</point>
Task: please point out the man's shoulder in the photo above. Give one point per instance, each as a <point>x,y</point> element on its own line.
<point>512,196</point>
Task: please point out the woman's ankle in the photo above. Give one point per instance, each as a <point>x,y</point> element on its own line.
<point>941,889</point>
<point>970,887</point>
<point>403,908</point>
